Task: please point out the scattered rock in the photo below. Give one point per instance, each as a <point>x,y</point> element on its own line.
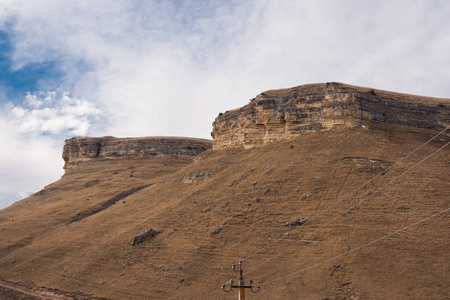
<point>209,208</point>
<point>216,230</point>
<point>301,220</point>
<point>255,182</point>
<point>305,197</point>
<point>198,176</point>
<point>144,236</point>
<point>266,191</point>
<point>374,169</point>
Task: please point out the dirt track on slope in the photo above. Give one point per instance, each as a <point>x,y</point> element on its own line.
<point>14,291</point>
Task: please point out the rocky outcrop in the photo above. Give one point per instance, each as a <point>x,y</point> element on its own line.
<point>87,148</point>
<point>144,236</point>
<point>278,114</point>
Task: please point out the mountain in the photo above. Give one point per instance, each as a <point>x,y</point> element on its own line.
<point>323,191</point>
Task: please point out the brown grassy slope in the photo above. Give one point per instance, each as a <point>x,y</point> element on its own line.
<point>251,194</point>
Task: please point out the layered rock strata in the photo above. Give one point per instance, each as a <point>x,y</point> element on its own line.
<point>278,114</point>
<point>86,148</point>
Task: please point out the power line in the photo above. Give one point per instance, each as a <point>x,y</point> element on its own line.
<point>378,175</point>
<point>357,204</point>
<point>359,188</point>
<point>357,248</point>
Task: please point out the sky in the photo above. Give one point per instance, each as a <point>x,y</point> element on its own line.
<point>130,68</point>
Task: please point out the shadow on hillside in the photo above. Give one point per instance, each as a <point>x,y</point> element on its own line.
<point>102,206</point>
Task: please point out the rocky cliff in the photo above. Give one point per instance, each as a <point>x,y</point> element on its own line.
<point>87,148</point>
<point>278,114</point>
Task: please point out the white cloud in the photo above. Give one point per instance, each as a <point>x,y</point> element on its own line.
<point>43,113</point>
<point>27,164</point>
<point>31,100</point>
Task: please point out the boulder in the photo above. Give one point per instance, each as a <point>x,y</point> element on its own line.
<point>144,236</point>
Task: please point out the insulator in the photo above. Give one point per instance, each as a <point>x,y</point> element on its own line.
<point>257,289</point>
<point>251,282</point>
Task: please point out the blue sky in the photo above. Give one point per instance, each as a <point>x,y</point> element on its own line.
<point>29,78</point>
<point>167,68</point>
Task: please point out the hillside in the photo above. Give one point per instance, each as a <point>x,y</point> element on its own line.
<point>374,193</point>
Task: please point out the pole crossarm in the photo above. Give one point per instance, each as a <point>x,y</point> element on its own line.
<point>241,286</point>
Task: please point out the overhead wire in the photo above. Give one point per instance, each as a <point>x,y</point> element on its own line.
<point>352,207</point>
<point>357,248</point>
<point>360,187</point>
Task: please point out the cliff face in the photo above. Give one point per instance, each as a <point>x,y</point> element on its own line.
<point>87,148</point>
<point>278,114</point>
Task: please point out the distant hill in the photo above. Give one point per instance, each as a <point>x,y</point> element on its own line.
<point>324,191</point>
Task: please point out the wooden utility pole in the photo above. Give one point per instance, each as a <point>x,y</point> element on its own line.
<point>241,285</point>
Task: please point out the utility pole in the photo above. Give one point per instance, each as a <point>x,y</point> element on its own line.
<point>241,285</point>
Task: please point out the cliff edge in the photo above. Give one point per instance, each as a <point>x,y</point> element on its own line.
<point>278,114</point>
<point>86,148</point>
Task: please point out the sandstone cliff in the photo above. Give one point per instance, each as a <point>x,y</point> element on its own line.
<point>87,148</point>
<point>278,114</point>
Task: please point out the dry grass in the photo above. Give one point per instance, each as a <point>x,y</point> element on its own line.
<point>251,194</point>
